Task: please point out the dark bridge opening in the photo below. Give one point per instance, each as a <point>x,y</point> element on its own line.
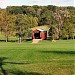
<point>37,35</point>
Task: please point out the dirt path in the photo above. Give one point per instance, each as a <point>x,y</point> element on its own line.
<point>36,40</point>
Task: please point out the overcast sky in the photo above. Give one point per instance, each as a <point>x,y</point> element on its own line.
<point>5,3</point>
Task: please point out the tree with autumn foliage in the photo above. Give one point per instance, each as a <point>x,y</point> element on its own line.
<point>7,24</point>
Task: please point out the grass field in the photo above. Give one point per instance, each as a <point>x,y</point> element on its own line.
<point>44,58</point>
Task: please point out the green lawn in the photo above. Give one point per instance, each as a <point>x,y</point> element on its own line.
<point>44,58</point>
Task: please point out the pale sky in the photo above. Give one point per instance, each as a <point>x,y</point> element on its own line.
<point>5,3</point>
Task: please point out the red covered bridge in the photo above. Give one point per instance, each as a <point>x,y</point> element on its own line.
<point>39,34</point>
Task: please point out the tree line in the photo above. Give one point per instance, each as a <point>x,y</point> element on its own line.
<point>18,21</point>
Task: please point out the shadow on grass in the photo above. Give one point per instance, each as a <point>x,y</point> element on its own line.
<point>17,72</point>
<point>13,71</point>
<point>1,65</point>
<point>2,62</point>
<point>15,62</point>
<point>2,40</point>
<point>28,39</point>
<point>59,52</point>
<point>8,40</point>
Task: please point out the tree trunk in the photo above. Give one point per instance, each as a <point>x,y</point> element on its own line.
<point>19,40</point>
<point>7,39</point>
<point>73,37</point>
<point>53,38</point>
<point>67,37</point>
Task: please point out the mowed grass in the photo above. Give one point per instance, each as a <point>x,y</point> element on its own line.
<point>44,58</point>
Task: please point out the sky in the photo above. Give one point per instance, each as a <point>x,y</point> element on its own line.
<point>5,3</point>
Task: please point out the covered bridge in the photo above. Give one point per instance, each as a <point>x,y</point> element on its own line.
<point>39,34</point>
